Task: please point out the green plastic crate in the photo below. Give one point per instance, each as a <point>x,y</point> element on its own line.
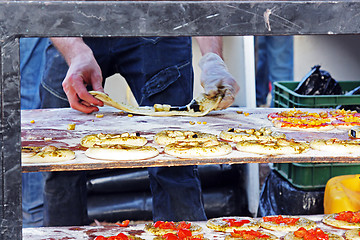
<point>284,96</point>
<point>309,176</point>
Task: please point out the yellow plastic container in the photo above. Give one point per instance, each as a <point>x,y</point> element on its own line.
<point>342,193</point>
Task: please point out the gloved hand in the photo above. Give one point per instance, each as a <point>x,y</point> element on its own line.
<point>216,79</point>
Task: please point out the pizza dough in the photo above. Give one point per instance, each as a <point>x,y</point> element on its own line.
<point>303,124</point>
<point>251,234</point>
<point>170,136</point>
<point>353,234</point>
<point>349,220</point>
<point>228,224</point>
<point>106,139</point>
<point>118,152</point>
<point>193,149</point>
<point>277,147</point>
<point>315,121</point>
<point>238,135</point>
<point>286,223</point>
<point>48,154</point>
<point>161,228</point>
<point>201,106</point>
<point>336,146</point>
<point>314,232</point>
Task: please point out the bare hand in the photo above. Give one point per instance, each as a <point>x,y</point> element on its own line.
<point>83,71</point>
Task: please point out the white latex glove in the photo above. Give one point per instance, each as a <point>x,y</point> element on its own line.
<point>216,79</point>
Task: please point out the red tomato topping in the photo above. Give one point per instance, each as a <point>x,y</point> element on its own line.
<point>124,223</point>
<point>165,225</point>
<point>100,238</point>
<point>348,216</point>
<point>170,236</point>
<point>280,219</point>
<point>312,234</point>
<point>248,234</point>
<point>300,232</point>
<point>122,236</point>
<point>184,225</point>
<point>183,233</point>
<point>233,223</point>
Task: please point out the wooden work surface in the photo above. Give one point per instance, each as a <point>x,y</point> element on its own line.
<point>90,233</point>
<point>50,128</point>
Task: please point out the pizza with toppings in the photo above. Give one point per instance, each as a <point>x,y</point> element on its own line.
<point>286,223</point>
<point>275,147</point>
<point>315,121</point>
<point>353,234</point>
<point>297,114</point>
<point>311,234</point>
<point>345,220</point>
<point>133,139</point>
<point>194,149</point>
<point>160,228</point>
<point>228,224</point>
<point>48,154</point>
<point>303,124</point>
<point>251,235</point>
<point>335,145</point>
<point>170,136</point>
<point>118,152</point>
<point>238,135</point>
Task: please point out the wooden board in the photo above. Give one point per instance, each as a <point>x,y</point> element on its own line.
<point>89,232</point>
<point>49,127</point>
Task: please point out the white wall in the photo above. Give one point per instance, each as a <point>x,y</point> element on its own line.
<point>339,55</point>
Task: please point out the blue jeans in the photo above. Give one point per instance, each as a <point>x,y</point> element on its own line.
<point>158,70</point>
<point>275,63</point>
<point>32,60</point>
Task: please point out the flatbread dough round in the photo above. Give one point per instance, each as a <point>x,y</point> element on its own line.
<point>29,151</point>
<point>118,152</point>
<point>251,234</point>
<point>277,147</point>
<point>332,236</point>
<point>105,139</point>
<point>203,103</point>
<point>353,234</point>
<point>238,135</point>
<point>48,154</point>
<point>228,224</point>
<point>170,136</point>
<point>161,228</point>
<point>211,148</point>
<point>279,223</point>
<point>329,219</point>
<point>336,146</point>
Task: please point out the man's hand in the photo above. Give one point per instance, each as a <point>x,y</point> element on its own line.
<point>216,79</point>
<point>83,71</point>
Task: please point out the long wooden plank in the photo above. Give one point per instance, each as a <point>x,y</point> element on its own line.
<point>49,127</point>
<point>90,232</point>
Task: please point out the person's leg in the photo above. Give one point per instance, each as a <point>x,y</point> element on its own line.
<point>65,192</point>
<point>65,199</point>
<point>32,59</point>
<point>262,71</point>
<point>280,59</point>
<point>32,199</point>
<point>159,70</point>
